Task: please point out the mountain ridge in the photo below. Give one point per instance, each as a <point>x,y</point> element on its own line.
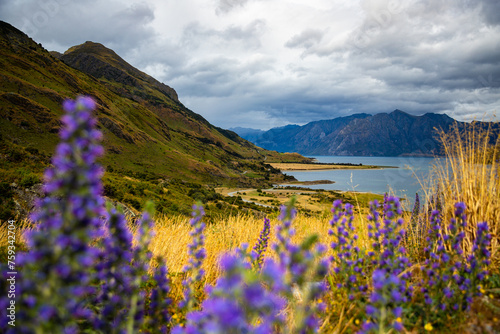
<point>99,61</point>
<point>385,134</point>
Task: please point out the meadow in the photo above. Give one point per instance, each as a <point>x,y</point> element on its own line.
<point>83,268</point>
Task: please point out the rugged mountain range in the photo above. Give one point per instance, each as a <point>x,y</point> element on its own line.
<point>386,134</point>
<point>148,133</point>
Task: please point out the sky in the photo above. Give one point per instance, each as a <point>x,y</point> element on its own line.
<point>268,63</point>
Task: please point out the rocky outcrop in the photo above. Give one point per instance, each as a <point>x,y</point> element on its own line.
<point>24,199</point>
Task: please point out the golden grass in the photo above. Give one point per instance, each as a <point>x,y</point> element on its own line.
<point>172,238</point>
<point>19,229</point>
<point>470,174</point>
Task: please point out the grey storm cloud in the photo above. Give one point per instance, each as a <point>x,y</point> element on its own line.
<point>67,23</point>
<point>226,6</point>
<point>195,34</point>
<point>265,63</point>
<point>491,11</point>
<point>305,39</point>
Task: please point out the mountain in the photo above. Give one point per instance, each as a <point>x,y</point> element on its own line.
<point>103,63</point>
<point>248,133</point>
<point>386,134</point>
<point>150,137</point>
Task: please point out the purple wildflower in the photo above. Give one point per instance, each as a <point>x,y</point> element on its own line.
<point>157,312</point>
<point>389,279</point>
<point>348,262</point>
<point>120,271</point>
<point>302,272</point>
<point>60,259</point>
<point>261,246</point>
<point>197,254</point>
<point>239,302</point>
<point>451,277</point>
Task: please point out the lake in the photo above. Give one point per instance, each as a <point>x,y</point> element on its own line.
<point>402,181</point>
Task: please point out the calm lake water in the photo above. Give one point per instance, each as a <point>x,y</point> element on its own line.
<point>402,181</point>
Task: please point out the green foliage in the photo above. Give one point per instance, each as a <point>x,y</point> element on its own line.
<point>28,179</point>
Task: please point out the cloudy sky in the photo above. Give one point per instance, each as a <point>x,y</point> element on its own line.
<point>267,63</point>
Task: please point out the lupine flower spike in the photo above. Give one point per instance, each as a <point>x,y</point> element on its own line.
<point>347,261</point>
<point>305,272</point>
<point>194,272</point>
<point>261,246</point>
<point>56,272</point>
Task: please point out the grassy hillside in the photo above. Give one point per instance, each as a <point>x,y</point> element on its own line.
<point>155,147</point>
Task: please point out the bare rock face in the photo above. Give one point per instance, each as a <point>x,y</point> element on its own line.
<point>129,212</point>
<point>24,199</point>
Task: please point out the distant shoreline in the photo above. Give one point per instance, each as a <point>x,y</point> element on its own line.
<point>312,166</point>
<point>307,183</point>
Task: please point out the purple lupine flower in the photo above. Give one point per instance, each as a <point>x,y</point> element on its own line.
<point>115,275</point>
<point>348,263</point>
<point>477,262</point>
<point>298,263</point>
<point>398,325</point>
<point>239,302</point>
<point>450,276</point>
<point>389,279</point>
<point>142,256</point>
<point>66,221</point>
<point>157,312</point>
<point>436,269</point>
<point>196,250</point>
<point>61,263</point>
<point>261,246</point>
<point>388,291</point>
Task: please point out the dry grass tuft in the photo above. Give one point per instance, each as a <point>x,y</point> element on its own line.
<point>19,228</point>
<point>470,174</point>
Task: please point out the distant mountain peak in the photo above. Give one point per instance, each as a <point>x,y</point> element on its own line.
<point>399,111</point>
<point>102,52</point>
<point>436,115</point>
<point>289,126</point>
<point>84,45</point>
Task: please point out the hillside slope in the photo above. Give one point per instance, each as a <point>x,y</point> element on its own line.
<point>148,134</point>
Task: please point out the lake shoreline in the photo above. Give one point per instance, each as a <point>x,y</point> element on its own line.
<point>316,166</point>
<point>307,183</point>
<point>402,181</point>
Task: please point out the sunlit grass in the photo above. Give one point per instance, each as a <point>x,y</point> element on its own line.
<point>470,174</point>
<point>172,237</point>
<point>17,232</point>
